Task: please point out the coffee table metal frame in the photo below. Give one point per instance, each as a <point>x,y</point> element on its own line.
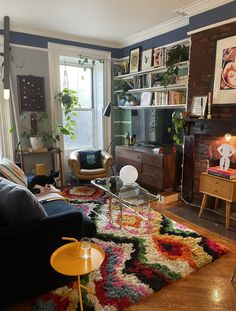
<point>131,196</point>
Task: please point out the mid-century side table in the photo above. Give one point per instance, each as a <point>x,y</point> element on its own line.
<point>220,188</point>
<point>66,260</point>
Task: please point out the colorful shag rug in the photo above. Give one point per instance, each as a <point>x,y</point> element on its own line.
<point>140,259</point>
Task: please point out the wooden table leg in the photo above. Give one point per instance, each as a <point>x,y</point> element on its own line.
<point>203,205</point>
<point>216,203</point>
<point>228,208</point>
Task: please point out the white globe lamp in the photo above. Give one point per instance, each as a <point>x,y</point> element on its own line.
<point>128,174</point>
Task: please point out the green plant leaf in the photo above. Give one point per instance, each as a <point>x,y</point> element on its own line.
<point>64,131</point>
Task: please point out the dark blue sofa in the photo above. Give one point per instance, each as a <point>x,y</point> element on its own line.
<point>26,246</point>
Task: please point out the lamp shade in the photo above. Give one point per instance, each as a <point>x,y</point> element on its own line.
<point>128,174</point>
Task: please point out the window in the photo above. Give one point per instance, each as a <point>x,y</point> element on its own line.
<point>80,79</point>
<point>93,129</point>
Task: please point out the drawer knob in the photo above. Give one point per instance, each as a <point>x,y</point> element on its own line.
<point>217,183</point>
<point>215,191</point>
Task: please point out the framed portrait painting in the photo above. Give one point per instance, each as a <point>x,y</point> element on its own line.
<point>134,60</point>
<point>224,90</point>
<point>158,57</point>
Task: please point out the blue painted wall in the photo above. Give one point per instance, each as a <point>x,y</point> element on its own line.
<point>221,13</point>
<point>166,38</point>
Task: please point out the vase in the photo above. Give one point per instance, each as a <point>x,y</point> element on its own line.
<point>36,142</point>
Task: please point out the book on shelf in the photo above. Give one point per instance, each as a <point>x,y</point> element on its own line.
<point>217,171</point>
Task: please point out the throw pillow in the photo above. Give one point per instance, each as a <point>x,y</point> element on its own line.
<point>18,205</point>
<point>90,159</point>
<point>12,172</point>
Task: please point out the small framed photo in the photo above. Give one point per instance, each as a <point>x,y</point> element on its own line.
<point>147,59</point>
<point>146,99</point>
<point>134,60</point>
<point>198,107</point>
<point>158,57</point>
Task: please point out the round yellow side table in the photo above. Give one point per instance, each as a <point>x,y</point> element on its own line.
<point>66,260</point>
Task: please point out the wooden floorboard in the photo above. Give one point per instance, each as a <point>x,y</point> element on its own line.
<point>208,289</point>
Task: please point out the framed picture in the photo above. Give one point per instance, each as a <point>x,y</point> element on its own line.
<point>224,90</point>
<point>146,99</point>
<point>134,60</point>
<point>198,107</point>
<point>31,93</point>
<point>158,57</point>
<point>147,59</point>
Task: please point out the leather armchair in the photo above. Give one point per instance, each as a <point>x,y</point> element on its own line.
<point>89,174</point>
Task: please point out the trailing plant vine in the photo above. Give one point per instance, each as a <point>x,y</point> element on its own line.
<point>178,53</point>
<point>178,124</point>
<point>69,101</point>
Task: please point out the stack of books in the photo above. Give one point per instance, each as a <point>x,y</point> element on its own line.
<point>217,171</point>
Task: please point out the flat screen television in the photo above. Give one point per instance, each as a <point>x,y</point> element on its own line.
<point>151,126</point>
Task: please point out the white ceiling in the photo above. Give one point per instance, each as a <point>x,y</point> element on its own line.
<point>104,20</point>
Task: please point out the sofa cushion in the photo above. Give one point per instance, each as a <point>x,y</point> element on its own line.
<point>90,159</point>
<point>18,205</point>
<point>12,172</point>
<point>57,207</point>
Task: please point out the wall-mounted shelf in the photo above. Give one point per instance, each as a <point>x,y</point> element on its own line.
<point>172,87</point>
<point>154,107</point>
<point>151,70</point>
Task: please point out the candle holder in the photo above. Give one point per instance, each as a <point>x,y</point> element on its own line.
<point>202,116</point>
<point>209,106</point>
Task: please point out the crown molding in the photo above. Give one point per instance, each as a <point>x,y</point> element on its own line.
<point>200,7</point>
<point>155,31</point>
<point>64,36</point>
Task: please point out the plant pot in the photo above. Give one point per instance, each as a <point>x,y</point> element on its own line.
<point>36,142</point>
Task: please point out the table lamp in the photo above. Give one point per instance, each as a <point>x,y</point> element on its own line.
<point>128,174</point>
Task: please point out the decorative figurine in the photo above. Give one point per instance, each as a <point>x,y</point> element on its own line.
<point>226,151</point>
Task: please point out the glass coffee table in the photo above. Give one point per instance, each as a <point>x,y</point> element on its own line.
<point>131,196</point>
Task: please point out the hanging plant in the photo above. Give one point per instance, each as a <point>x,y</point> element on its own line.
<point>178,53</point>
<point>178,123</point>
<point>69,101</point>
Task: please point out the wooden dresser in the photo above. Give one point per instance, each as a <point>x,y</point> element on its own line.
<point>220,188</point>
<point>157,172</point>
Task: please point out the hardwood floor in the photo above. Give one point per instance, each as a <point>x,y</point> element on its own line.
<point>208,289</point>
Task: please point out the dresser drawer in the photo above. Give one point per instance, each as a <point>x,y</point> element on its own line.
<point>153,159</point>
<point>120,162</point>
<point>215,186</point>
<point>156,182</point>
<point>152,171</point>
<point>132,155</point>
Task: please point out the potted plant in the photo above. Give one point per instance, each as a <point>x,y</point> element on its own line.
<point>178,53</point>
<point>123,97</point>
<point>69,100</point>
<point>178,124</point>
